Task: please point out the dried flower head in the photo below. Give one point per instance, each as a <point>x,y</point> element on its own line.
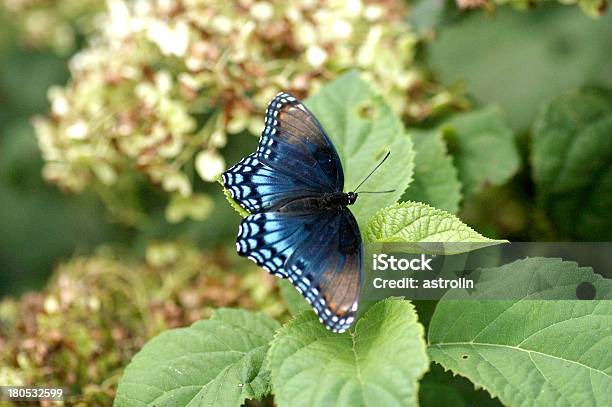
<point>164,83</point>
<point>52,24</point>
<point>97,312</point>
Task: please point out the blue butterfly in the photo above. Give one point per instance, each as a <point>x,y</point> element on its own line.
<point>300,227</point>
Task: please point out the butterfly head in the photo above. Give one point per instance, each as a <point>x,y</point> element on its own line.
<point>351,197</point>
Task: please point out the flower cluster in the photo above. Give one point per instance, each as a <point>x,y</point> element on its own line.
<point>52,23</point>
<point>164,83</point>
<point>98,312</point>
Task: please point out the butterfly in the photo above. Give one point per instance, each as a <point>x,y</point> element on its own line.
<point>300,227</point>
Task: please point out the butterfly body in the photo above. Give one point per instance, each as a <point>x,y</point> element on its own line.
<point>300,227</point>
<point>328,201</point>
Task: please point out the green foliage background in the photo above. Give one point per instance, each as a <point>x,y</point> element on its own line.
<point>497,91</point>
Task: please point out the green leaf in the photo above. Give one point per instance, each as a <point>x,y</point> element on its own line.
<point>378,363</point>
<point>483,147</point>
<point>241,211</point>
<point>426,16</point>
<point>572,163</point>
<point>214,362</point>
<point>531,351</point>
<point>417,222</point>
<point>294,300</point>
<point>363,129</point>
<point>435,177</point>
<point>440,388</point>
<point>521,61</point>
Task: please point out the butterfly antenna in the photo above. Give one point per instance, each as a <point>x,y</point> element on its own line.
<point>372,172</point>
<point>378,192</point>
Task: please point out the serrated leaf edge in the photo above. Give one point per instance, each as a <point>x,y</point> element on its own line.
<point>235,205</point>
<point>435,210</point>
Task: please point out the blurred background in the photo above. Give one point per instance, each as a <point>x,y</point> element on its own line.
<point>517,60</point>
<point>116,118</point>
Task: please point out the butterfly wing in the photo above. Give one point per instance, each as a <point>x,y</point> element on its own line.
<point>321,253</point>
<point>294,143</point>
<point>328,270</point>
<point>319,250</point>
<point>270,238</point>
<point>258,188</point>
<point>295,159</point>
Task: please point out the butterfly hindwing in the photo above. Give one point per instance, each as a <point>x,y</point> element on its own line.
<point>319,252</point>
<point>270,238</point>
<point>294,143</point>
<point>327,269</point>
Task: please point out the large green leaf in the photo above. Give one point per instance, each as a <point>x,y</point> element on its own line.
<point>441,388</point>
<point>483,146</point>
<point>378,363</point>
<point>214,362</point>
<point>523,60</point>
<point>531,351</point>
<point>363,129</point>
<point>572,163</point>
<point>435,177</point>
<point>427,15</point>
<point>417,222</point>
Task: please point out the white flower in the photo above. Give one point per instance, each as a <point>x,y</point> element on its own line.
<point>305,34</point>
<point>59,104</point>
<point>119,19</point>
<point>51,305</point>
<point>177,182</point>
<point>222,24</point>
<point>170,40</point>
<point>142,7</point>
<point>293,13</point>
<point>209,165</point>
<point>166,6</point>
<point>316,56</point>
<point>147,93</point>
<point>353,7</point>
<point>163,80</point>
<point>373,12</point>
<point>342,29</point>
<point>262,11</point>
<point>77,130</point>
<point>218,138</point>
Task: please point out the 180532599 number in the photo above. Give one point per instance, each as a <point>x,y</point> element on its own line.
<point>23,393</point>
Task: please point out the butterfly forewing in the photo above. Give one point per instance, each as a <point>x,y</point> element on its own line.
<point>294,143</point>
<point>257,187</point>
